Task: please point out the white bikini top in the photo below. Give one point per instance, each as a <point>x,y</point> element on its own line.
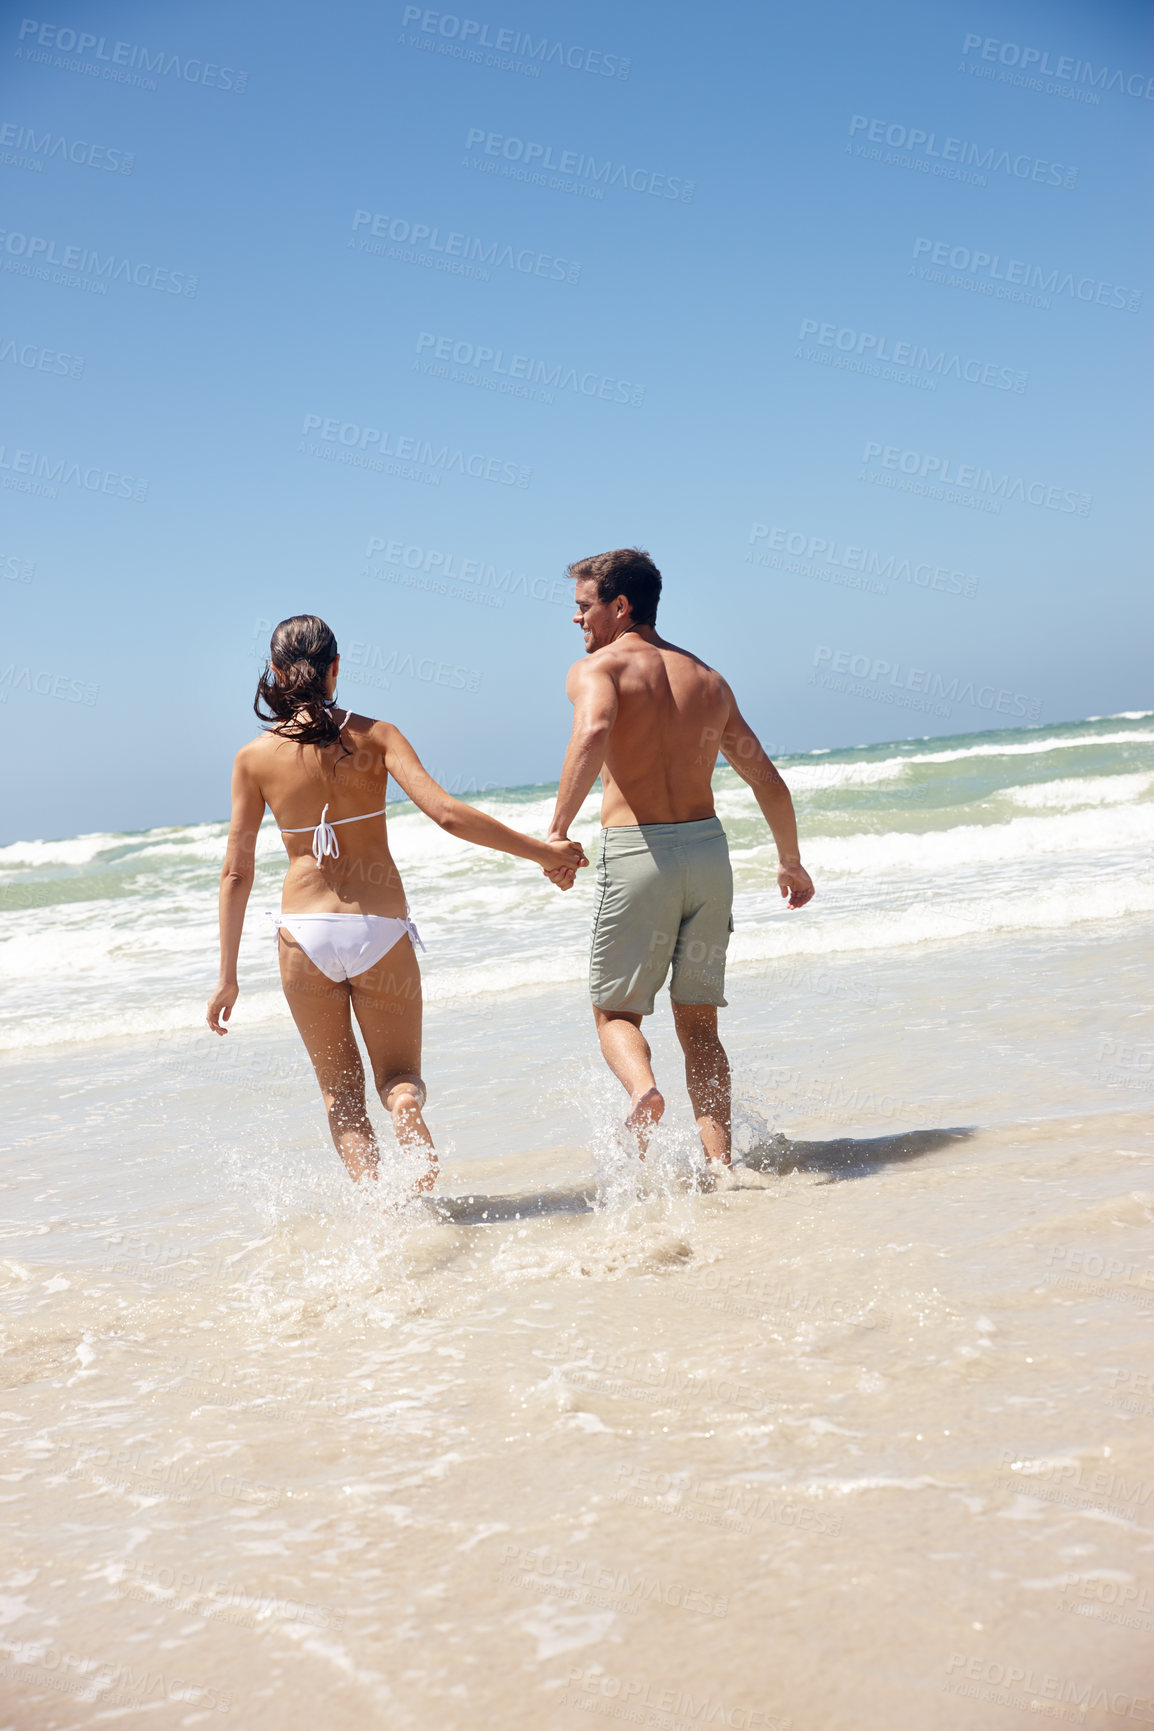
<point>324,838</point>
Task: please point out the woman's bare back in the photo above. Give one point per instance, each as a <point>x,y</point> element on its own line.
<point>351,779</point>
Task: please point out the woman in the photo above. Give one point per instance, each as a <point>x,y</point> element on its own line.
<point>345,938</point>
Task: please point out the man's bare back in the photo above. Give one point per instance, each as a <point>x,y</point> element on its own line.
<point>671,711</point>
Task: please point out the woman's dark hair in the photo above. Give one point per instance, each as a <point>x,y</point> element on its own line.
<point>302,650</point>
<point>627,571</point>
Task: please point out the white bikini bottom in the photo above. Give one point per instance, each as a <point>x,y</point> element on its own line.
<point>345,945</point>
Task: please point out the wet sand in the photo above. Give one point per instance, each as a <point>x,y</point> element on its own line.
<point>845,1452</point>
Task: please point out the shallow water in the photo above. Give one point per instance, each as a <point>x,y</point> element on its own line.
<point>866,1445</point>
<point>914,843</point>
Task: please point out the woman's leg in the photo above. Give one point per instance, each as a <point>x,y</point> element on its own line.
<point>320,1009</point>
<point>387,1004</point>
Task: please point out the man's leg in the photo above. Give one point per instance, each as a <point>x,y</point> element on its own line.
<point>706,1077</point>
<point>626,1051</point>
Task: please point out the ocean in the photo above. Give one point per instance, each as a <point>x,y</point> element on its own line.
<point>864,1446</point>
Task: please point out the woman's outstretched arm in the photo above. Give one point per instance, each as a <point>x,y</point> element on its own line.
<point>465,821</point>
<point>236,879</point>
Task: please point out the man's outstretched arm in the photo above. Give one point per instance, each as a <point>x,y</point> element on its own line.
<point>594,698</point>
<point>743,752</point>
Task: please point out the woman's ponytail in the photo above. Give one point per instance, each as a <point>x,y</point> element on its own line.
<point>295,705</point>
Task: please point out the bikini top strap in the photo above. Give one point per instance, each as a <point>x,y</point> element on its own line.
<point>384,812</point>
<point>326,825</point>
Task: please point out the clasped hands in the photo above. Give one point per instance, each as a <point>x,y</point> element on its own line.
<point>570,858</point>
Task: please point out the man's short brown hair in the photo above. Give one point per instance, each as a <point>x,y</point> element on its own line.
<point>627,571</point>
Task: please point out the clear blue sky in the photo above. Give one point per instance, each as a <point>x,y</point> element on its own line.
<point>783,189</point>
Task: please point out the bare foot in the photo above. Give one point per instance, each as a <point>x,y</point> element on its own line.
<point>428,1177</point>
<point>646,1113</point>
<point>720,1175</point>
<point>413,1133</point>
<point>412,1141</point>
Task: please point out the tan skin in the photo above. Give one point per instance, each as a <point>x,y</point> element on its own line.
<point>651,720</point>
<point>296,781</point>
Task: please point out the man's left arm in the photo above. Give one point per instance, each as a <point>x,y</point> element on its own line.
<point>747,757</point>
<point>593,694</point>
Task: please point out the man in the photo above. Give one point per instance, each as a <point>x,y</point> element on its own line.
<point>650,719</point>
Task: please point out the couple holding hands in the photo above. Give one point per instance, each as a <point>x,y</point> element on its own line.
<point>649,718</point>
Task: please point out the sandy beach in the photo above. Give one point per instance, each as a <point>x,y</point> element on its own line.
<point>863,1443</point>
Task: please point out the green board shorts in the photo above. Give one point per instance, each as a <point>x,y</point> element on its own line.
<point>664,898</point>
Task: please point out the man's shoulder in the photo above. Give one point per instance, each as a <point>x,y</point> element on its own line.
<point>602,661</point>
<point>697,664</point>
